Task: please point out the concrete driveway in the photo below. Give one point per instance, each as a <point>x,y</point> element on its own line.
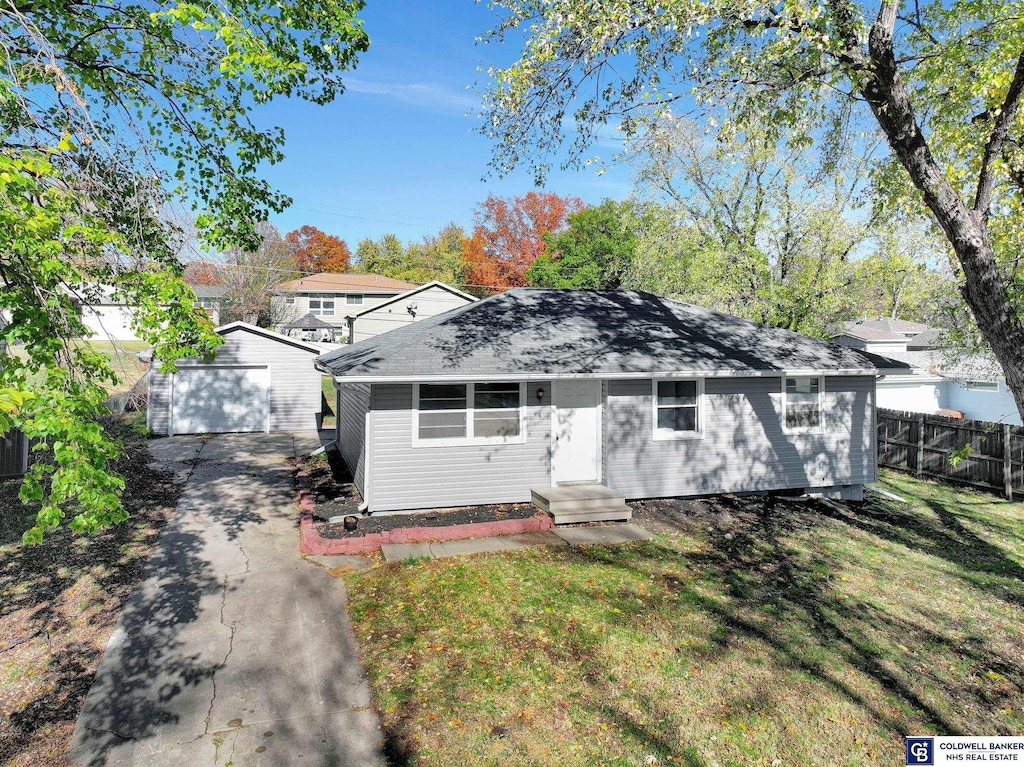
<point>233,650</point>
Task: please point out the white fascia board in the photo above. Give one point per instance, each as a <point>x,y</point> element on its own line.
<point>528,377</point>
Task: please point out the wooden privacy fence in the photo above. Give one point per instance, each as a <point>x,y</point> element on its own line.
<point>13,454</point>
<point>979,453</point>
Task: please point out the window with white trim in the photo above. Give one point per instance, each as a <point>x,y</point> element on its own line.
<point>354,299</point>
<point>677,409</point>
<point>803,403</point>
<point>990,386</point>
<point>470,412</point>
<point>321,304</point>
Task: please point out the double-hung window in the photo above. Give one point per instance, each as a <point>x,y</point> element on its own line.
<point>469,413</point>
<point>677,409</point>
<point>803,403</point>
<point>321,305</point>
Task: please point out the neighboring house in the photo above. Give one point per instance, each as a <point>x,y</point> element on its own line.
<point>105,317</point>
<point>332,297</point>
<point>974,387</point>
<point>211,298</point>
<point>532,389</point>
<point>414,305</point>
<point>258,380</point>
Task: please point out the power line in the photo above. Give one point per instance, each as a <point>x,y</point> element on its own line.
<point>365,218</point>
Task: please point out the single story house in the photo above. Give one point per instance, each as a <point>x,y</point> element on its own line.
<point>332,297</point>
<point>258,380</point>
<point>937,380</point>
<point>414,305</point>
<point>647,396</point>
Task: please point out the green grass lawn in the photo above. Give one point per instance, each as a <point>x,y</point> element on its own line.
<point>123,359</point>
<point>770,634</point>
<point>327,386</point>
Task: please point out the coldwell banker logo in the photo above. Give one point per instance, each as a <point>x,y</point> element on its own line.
<point>921,751</point>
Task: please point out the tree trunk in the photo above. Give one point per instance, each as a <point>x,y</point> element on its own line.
<point>984,289</point>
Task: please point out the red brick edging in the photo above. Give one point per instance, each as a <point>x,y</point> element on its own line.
<point>310,541</point>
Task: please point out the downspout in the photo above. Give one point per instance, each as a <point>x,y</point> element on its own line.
<point>363,508</point>
<point>351,328</point>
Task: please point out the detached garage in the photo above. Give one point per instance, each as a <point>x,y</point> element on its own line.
<point>258,381</point>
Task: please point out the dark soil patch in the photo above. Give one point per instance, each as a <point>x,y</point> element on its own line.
<point>690,516</point>
<point>433,518</point>
<point>59,602</point>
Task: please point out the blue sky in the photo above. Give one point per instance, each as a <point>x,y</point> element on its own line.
<point>397,152</point>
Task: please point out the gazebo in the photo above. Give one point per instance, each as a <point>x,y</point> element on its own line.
<point>310,328</point>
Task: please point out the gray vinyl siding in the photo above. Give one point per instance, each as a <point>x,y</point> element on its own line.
<point>158,401</point>
<point>429,303</point>
<point>284,312</point>
<point>295,385</point>
<point>744,447</point>
<point>406,477</point>
<point>352,403</point>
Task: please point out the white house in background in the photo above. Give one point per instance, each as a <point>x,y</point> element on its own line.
<point>414,305</point>
<point>105,317</point>
<point>973,387</point>
<point>331,297</point>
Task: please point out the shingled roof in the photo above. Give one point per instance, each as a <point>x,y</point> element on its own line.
<point>532,333</point>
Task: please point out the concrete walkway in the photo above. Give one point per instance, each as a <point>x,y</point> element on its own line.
<point>573,536</point>
<point>233,650</point>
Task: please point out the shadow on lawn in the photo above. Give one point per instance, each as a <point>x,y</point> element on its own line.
<point>44,588</point>
<point>947,537</point>
<point>786,599</point>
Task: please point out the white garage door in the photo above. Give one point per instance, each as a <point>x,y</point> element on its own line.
<point>220,399</point>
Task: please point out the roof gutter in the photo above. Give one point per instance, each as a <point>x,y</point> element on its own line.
<point>402,379</point>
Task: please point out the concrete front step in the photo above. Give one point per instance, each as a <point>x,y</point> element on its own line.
<point>571,504</point>
<point>613,514</point>
<point>576,497</point>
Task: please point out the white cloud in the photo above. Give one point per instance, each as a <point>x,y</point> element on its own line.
<point>428,95</point>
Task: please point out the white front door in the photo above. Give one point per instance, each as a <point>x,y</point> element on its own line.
<point>577,432</point>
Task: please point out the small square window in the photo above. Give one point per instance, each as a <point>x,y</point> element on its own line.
<point>354,299</point>
<point>676,409</point>
<point>803,403</point>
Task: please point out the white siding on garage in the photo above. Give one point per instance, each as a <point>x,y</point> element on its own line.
<point>909,393</point>
<point>351,405</point>
<point>744,447</point>
<point>405,477</point>
<point>295,385</point>
<point>108,322</point>
<point>158,400</point>
<point>429,302</point>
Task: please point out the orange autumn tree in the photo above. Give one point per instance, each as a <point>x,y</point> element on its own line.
<point>508,235</point>
<point>317,252</point>
<point>202,273</point>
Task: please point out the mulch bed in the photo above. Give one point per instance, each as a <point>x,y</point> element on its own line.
<point>59,603</point>
<point>434,518</point>
<point>335,495</point>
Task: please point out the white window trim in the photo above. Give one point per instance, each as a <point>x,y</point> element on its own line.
<point>664,435</point>
<point>820,428</point>
<point>469,410</point>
